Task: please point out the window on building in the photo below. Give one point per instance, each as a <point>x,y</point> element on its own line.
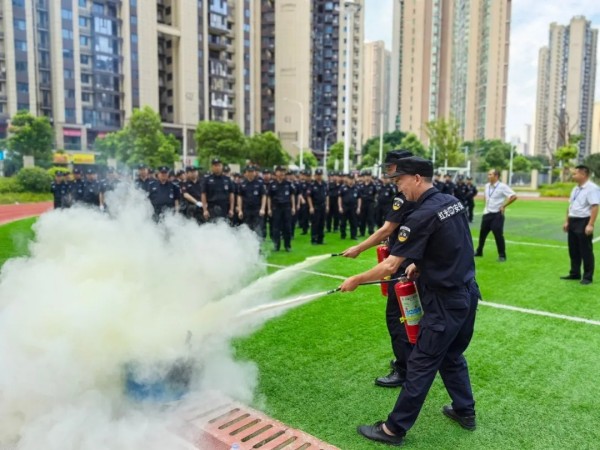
<point>67,34</point>
<point>83,3</point>
<point>70,114</point>
<point>70,93</point>
<point>20,45</point>
<point>84,22</point>
<point>134,38</point>
<point>68,74</point>
<point>86,97</point>
<point>23,87</point>
<point>22,106</point>
<point>21,4</point>
<point>85,78</point>
<point>66,14</point>
<point>67,53</point>
<point>98,8</point>
<point>84,59</point>
<point>84,41</point>
<point>19,24</point>
<point>104,26</point>
<point>21,66</point>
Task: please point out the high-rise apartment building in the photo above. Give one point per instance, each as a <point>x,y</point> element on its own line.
<point>375,107</point>
<point>311,41</point>
<point>88,63</point>
<point>450,58</point>
<point>566,84</point>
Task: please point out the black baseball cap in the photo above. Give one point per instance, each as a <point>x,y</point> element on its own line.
<point>319,172</point>
<point>266,171</point>
<point>249,169</point>
<point>59,173</point>
<point>76,172</point>
<point>393,156</point>
<point>163,169</point>
<point>190,168</point>
<point>216,161</point>
<point>413,165</point>
<point>142,166</point>
<point>90,170</point>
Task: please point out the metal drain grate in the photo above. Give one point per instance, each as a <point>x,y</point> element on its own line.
<point>230,422</point>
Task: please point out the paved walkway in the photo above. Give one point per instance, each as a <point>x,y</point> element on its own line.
<point>10,213</point>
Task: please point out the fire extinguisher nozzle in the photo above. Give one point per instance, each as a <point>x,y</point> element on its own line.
<point>333,291</point>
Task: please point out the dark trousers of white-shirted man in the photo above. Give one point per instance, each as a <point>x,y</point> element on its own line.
<point>497,197</point>
<point>581,218</point>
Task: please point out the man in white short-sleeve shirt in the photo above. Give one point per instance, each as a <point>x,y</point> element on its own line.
<point>581,218</point>
<point>497,197</point>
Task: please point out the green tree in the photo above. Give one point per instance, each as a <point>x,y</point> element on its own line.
<point>220,139</point>
<point>412,143</point>
<point>444,136</point>
<point>309,160</point>
<point>593,162</point>
<point>265,149</point>
<point>34,179</point>
<point>390,141</point>
<point>496,158</point>
<point>31,136</point>
<point>367,162</point>
<point>521,164</point>
<point>336,152</point>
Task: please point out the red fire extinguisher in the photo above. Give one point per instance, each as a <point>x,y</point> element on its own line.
<point>383,251</point>
<point>410,306</point>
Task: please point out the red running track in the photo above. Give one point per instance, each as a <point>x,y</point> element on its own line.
<point>10,213</point>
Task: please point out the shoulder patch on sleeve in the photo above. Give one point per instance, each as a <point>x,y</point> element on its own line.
<point>398,202</point>
<point>450,211</point>
<point>403,233</point>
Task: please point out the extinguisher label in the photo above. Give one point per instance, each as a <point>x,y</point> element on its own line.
<point>411,304</point>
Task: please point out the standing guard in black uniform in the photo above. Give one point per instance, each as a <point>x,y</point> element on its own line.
<point>93,193</point>
<point>367,211</point>
<point>448,187</point>
<point>191,193</point>
<point>471,193</point>
<point>164,195</point>
<point>349,203</point>
<point>437,238</point>
<point>461,190</point>
<point>437,183</point>
<point>318,207</point>
<point>281,202</point>
<point>143,179</point>
<point>267,177</point>
<point>252,201</point>
<point>218,193</point>
<point>60,190</point>
<point>76,187</point>
<point>333,217</point>
<point>303,214</point>
<point>385,198</point>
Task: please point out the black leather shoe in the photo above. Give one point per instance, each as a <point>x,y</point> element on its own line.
<point>467,422</point>
<point>375,433</point>
<point>570,277</point>
<point>394,379</point>
<point>478,254</point>
<point>585,281</point>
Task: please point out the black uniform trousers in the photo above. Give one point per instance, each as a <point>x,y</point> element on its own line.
<point>317,228</point>
<point>445,333</point>
<point>333,217</point>
<point>581,248</point>
<point>218,211</point>
<point>367,213</point>
<point>400,345</point>
<point>493,222</point>
<point>349,215</point>
<point>303,217</point>
<point>281,224</point>
<point>470,208</point>
<point>194,212</point>
<point>254,221</point>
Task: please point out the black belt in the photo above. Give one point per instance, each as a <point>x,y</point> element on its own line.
<point>580,218</point>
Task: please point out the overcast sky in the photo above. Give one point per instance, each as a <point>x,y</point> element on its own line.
<point>529,31</point>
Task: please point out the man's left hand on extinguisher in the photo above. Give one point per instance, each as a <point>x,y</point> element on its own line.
<point>349,284</point>
<point>412,272</point>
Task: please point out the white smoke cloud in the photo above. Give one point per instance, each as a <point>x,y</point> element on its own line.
<point>103,293</point>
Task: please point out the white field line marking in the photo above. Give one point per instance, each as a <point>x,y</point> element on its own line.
<point>534,312</point>
<point>533,244</point>
<point>596,239</point>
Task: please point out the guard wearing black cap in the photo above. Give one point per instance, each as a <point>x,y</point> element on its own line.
<point>349,204</point>
<point>395,218</point>
<point>449,187</point>
<point>191,191</point>
<point>60,190</point>
<point>164,195</point>
<point>437,182</point>
<point>368,192</point>
<point>218,193</point>
<point>252,201</point>
<point>281,201</point>
<point>333,188</point>
<point>318,206</point>
<point>93,193</point>
<point>77,187</point>
<point>143,179</point>
<point>267,177</point>
<point>437,238</point>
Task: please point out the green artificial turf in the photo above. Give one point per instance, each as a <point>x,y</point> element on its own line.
<point>14,238</point>
<point>534,378</point>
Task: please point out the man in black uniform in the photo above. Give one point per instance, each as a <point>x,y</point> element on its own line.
<point>218,193</point>
<point>76,187</point>
<point>252,201</point>
<point>448,187</point>
<point>318,207</point>
<point>93,192</point>
<point>60,190</point>
<point>349,204</point>
<point>281,202</point>
<point>191,192</point>
<point>333,217</point>
<point>143,179</point>
<point>368,192</point>
<point>470,194</point>
<point>303,214</point>
<point>437,183</point>
<point>267,177</point>
<point>394,218</point>
<point>164,195</point>
<point>385,198</point>
<point>461,190</point>
<point>437,238</point>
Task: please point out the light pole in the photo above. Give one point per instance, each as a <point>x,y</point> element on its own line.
<point>301,129</point>
<point>351,9</point>
<point>325,151</point>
